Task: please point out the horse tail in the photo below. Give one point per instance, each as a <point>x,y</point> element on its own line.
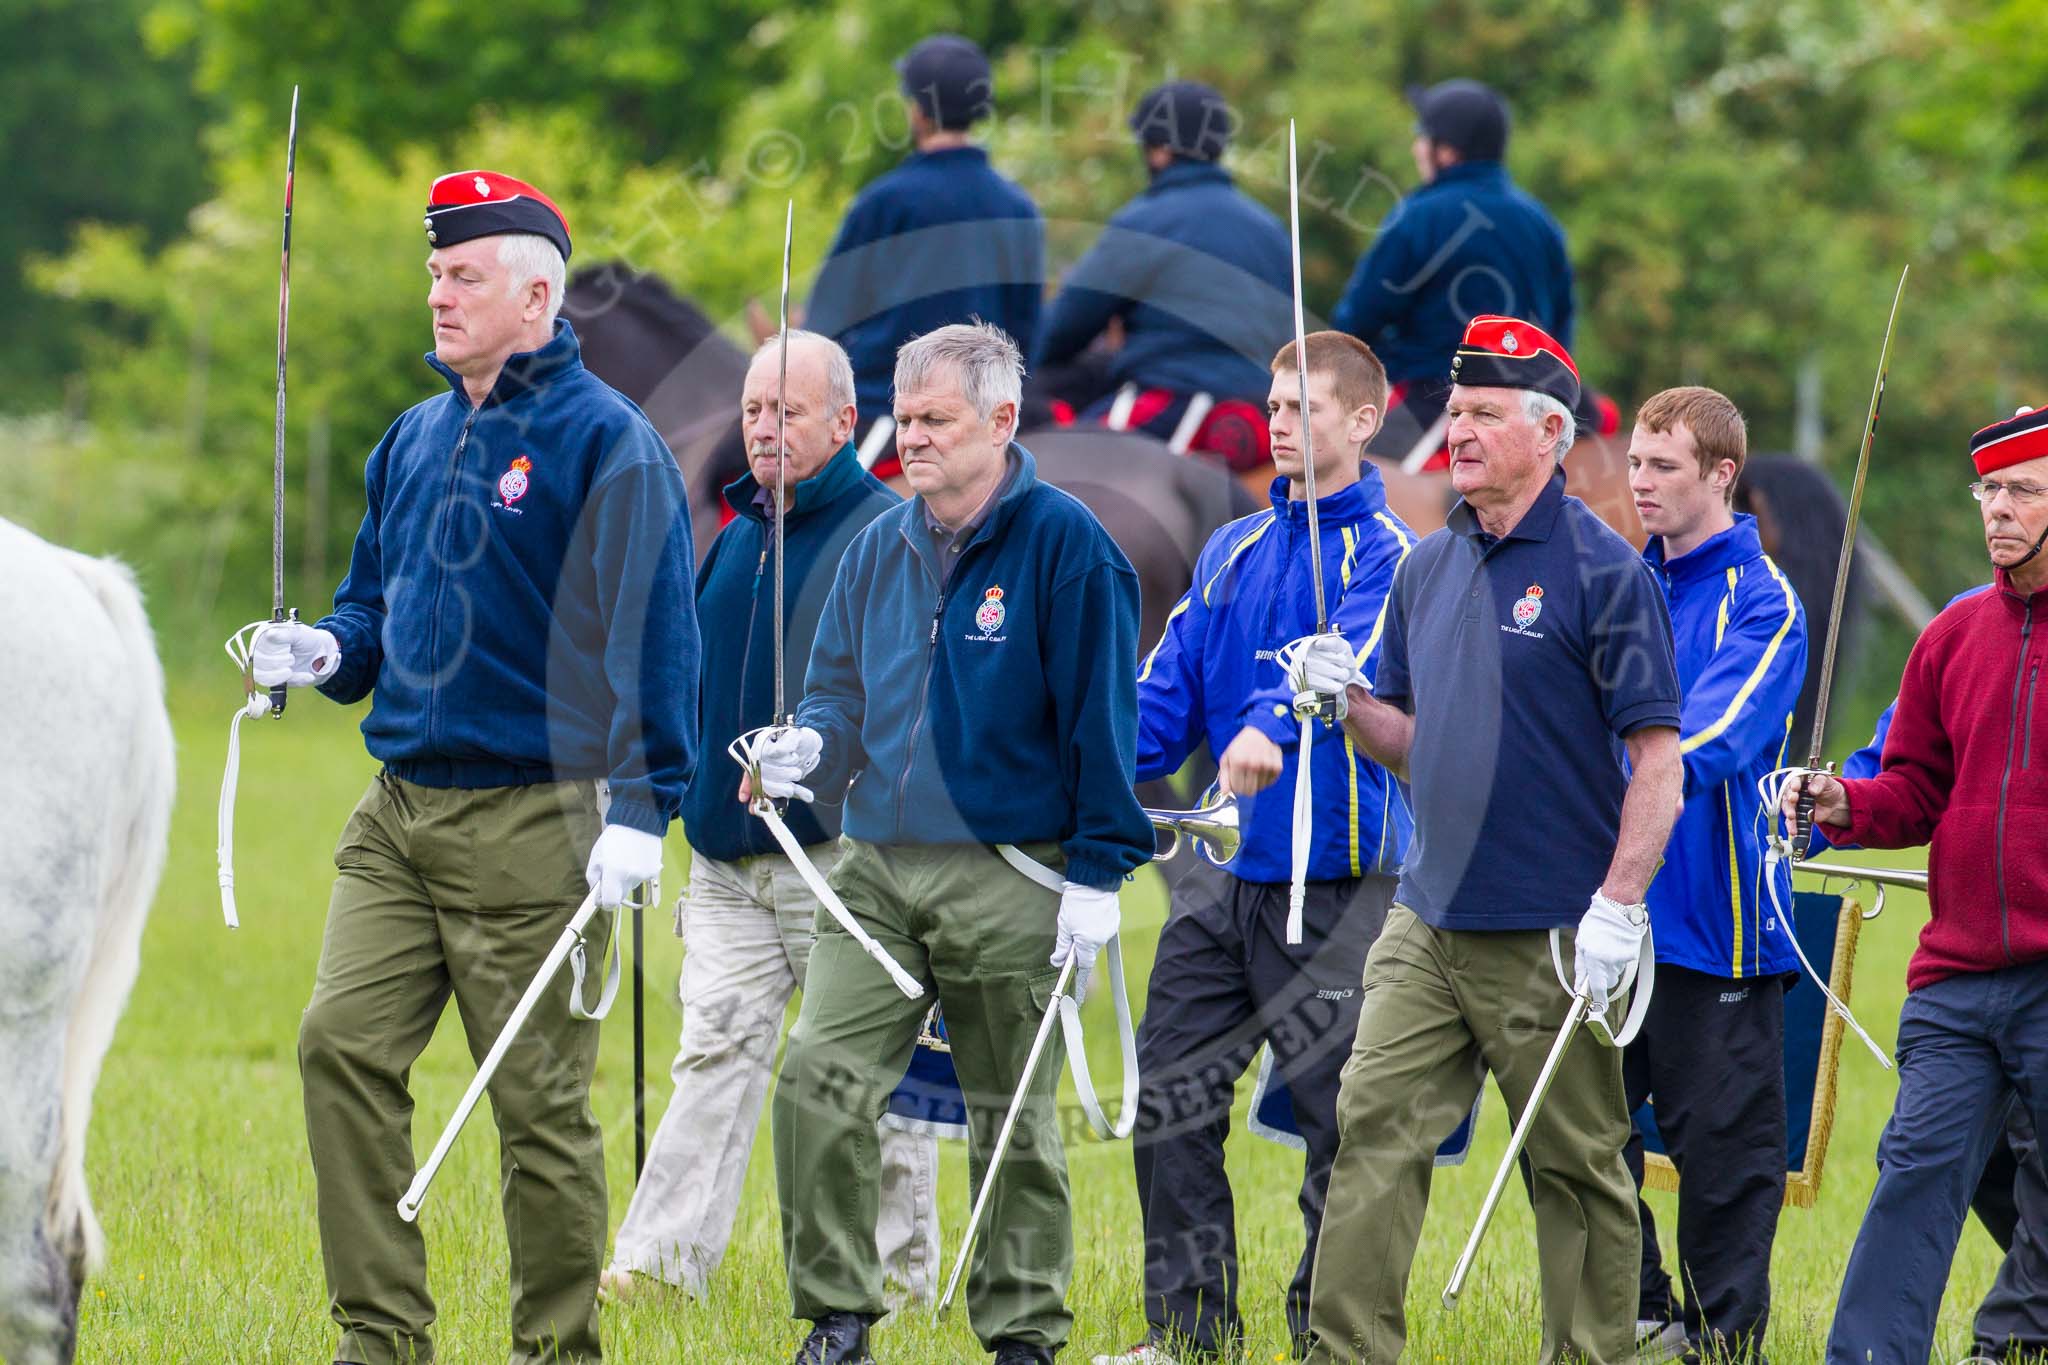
<point>137,837</point>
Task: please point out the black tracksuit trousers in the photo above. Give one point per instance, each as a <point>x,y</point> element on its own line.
<point>1225,980</point>
<point>1712,1054</point>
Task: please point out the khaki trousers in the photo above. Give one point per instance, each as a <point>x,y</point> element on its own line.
<point>1441,1009</point>
<point>980,933</point>
<point>442,893</point>
<point>748,928</point>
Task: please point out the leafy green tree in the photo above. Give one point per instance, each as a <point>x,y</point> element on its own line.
<point>94,129</point>
<point>658,77</point>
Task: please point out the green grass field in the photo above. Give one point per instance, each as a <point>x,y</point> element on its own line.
<point>199,1169</point>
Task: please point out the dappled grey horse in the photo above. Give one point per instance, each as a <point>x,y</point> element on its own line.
<point>86,778</point>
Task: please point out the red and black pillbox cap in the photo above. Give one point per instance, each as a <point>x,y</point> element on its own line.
<point>469,204</point>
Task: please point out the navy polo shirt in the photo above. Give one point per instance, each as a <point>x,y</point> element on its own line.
<point>1524,659</point>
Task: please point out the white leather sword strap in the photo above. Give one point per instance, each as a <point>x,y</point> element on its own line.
<point>1070,1017</point>
<point>827,897</point>
<point>1642,975</point>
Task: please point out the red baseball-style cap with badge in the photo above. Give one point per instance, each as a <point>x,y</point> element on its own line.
<point>2016,440</point>
<point>1508,353</point>
<point>467,204</point>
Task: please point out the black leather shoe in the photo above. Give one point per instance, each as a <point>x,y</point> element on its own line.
<point>836,1339</point>
<point>1021,1353</point>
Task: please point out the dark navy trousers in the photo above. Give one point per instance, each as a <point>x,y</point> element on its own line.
<point>1971,1047</point>
<point>1224,981</point>
<point>2012,1203</point>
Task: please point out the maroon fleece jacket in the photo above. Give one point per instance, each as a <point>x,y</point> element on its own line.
<point>1966,768</point>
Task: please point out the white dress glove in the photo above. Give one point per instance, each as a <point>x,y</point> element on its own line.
<point>622,859</point>
<point>1325,666</point>
<point>1088,919</point>
<point>1610,940</point>
<point>785,756</point>
<point>292,653</point>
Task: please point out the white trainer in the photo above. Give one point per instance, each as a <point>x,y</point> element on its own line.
<point>1144,1353</point>
<point>1658,1341</point>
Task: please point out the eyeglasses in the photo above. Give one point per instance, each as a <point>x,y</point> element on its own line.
<point>1985,490</point>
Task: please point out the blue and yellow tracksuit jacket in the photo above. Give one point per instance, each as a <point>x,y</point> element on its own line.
<point>1216,670</point>
<point>1740,635</point>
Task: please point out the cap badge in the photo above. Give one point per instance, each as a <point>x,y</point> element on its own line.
<point>989,615</point>
<point>1508,343</point>
<point>483,186</point>
<point>513,483</point>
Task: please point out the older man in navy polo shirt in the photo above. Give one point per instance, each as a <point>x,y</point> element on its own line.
<point>1526,646</point>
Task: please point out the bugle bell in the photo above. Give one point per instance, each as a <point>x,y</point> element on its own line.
<point>1213,828</point>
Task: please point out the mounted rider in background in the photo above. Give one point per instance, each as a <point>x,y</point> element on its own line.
<point>1467,241</point>
<point>975,237</point>
<point>1197,275</point>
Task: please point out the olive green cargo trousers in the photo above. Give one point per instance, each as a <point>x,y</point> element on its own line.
<point>1441,1009</point>
<point>455,892</point>
<point>963,921</point>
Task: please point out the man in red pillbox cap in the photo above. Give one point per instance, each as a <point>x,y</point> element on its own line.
<point>1523,648</point>
<point>518,611</point>
<point>1965,770</point>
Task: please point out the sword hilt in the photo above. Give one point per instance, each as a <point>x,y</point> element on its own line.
<point>1802,813</point>
<point>280,692</point>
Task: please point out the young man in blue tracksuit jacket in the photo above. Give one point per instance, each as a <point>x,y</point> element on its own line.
<point>1225,978</point>
<point>748,917</point>
<point>1711,1053</point>
<point>942,238</point>
<point>1199,273</point>
<point>974,681</point>
<point>517,608</point>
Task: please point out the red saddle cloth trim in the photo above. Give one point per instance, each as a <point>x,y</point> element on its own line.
<point>1234,431</point>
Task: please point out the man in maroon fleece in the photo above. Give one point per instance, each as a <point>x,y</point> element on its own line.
<point>1965,770</point>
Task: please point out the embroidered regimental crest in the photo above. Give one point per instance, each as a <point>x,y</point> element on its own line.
<point>513,483</point>
<point>1529,608</point>
<point>989,615</point>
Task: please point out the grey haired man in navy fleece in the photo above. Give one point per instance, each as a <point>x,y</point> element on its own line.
<point>518,609</point>
<point>972,698</point>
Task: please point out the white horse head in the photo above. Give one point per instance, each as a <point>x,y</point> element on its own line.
<point>86,779</point>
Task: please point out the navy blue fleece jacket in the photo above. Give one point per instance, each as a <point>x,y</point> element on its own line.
<point>997,704</point>
<point>518,599</point>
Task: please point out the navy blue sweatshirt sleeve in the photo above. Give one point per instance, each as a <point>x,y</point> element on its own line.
<point>1091,665</point>
<point>1099,287</point>
<point>643,561</point>
<point>842,295</point>
<point>357,620</point>
<point>1373,298</point>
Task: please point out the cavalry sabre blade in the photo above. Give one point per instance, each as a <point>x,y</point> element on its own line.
<point>1582,1006</point>
<point>284,310</point>
<point>1308,445</point>
<point>1802,826</point>
<point>782,716</point>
